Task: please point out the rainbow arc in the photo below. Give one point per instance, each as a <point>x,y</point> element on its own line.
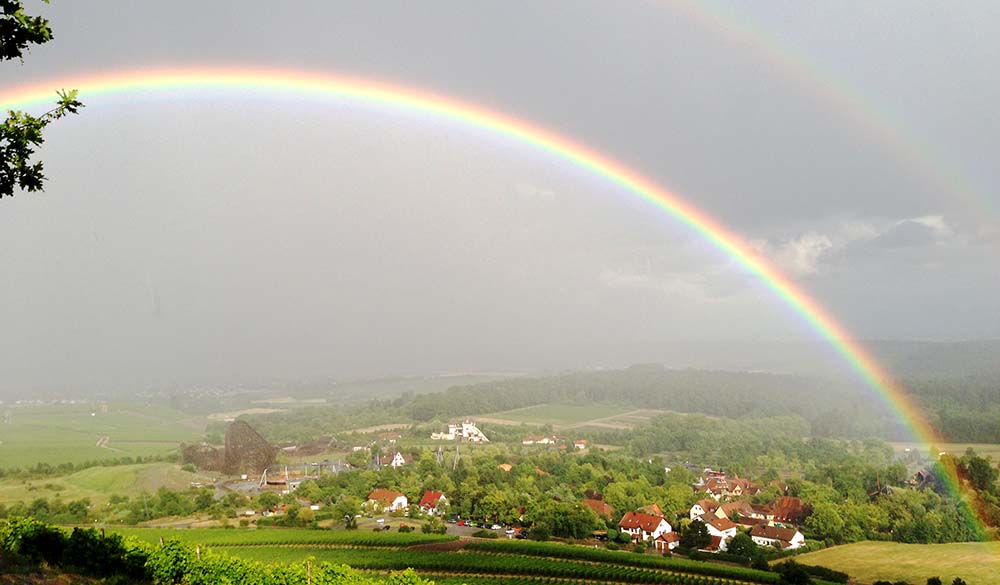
<point>435,106</point>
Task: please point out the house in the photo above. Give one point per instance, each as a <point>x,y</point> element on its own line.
<point>467,430</point>
<point>785,538</point>
<point>387,500</point>
<point>539,440</point>
<point>643,526</point>
<point>394,461</point>
<point>724,528</point>
<point>600,507</point>
<point>432,501</point>
<point>790,510</point>
<point>735,509</point>
<point>702,507</point>
<point>580,444</point>
<point>651,509</point>
<point>667,541</point>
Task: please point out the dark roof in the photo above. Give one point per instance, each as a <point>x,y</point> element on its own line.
<point>773,533</point>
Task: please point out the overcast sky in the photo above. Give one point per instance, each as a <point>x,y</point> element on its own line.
<point>208,236</point>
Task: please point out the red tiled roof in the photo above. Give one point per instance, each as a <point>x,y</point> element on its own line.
<point>722,524</point>
<point>430,499</point>
<point>384,497</point>
<point>709,506</point>
<point>600,507</point>
<point>773,532</point>
<point>715,544</point>
<point>669,537</point>
<point>646,522</point>
<point>790,509</point>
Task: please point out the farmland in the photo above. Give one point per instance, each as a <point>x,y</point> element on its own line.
<point>475,560</point>
<point>976,562</point>
<point>99,483</point>
<point>561,415</point>
<point>78,433</point>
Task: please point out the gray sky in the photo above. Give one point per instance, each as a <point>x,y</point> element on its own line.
<point>218,236</point>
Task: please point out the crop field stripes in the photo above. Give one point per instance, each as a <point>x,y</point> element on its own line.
<point>625,561</point>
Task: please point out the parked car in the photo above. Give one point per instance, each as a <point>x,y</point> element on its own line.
<point>510,531</point>
<point>461,523</point>
<point>496,527</point>
<point>380,521</point>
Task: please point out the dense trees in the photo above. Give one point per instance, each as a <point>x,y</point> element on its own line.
<point>21,133</point>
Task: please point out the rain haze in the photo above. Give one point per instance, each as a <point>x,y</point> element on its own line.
<point>189,236</point>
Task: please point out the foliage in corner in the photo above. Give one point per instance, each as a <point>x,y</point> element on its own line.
<point>21,133</point>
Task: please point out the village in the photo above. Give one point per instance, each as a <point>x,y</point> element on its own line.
<point>724,505</point>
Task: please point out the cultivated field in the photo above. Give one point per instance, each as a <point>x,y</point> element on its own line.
<point>976,562</point>
<point>76,433</point>
<point>569,416</point>
<point>100,483</point>
<point>445,559</point>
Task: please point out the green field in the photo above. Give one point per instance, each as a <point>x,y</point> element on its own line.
<point>100,483</point>
<point>72,433</point>
<point>560,414</point>
<point>277,537</point>
<point>976,562</point>
<point>445,558</point>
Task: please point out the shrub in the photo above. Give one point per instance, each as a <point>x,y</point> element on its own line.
<point>485,534</point>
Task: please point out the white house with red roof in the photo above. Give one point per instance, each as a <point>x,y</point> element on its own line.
<point>667,541</point>
<point>387,500</point>
<point>433,502</point>
<point>644,526</point>
<point>785,538</point>
<point>723,528</point>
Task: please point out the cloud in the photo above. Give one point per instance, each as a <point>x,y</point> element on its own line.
<point>816,250</point>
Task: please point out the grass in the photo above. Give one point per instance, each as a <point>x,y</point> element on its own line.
<point>276,538</point>
<point>69,433</point>
<point>976,562</point>
<point>561,414</point>
<point>100,483</point>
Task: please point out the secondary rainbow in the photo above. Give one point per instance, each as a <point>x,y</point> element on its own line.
<point>879,125</point>
<point>366,91</point>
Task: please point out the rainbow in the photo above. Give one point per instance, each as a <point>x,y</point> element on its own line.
<point>879,125</point>
<point>323,86</point>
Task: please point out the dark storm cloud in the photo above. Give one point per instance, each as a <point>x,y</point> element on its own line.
<point>270,237</point>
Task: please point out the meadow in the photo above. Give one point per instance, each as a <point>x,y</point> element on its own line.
<point>100,483</point>
<point>559,415</point>
<point>78,433</point>
<point>867,562</point>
